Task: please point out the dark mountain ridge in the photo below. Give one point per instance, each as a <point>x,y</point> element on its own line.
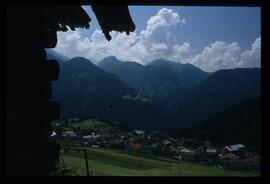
<point>187,73</point>
<point>85,90</point>
<point>222,89</point>
<point>161,80</point>
<point>240,123</point>
<point>54,55</point>
<point>152,96</point>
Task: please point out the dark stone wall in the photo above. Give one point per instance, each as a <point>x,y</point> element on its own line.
<point>31,29</point>
<point>28,92</point>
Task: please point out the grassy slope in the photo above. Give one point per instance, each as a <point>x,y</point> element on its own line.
<point>119,163</point>
<point>93,123</point>
<point>88,124</point>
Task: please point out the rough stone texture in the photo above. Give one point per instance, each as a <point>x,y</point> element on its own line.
<point>29,110</point>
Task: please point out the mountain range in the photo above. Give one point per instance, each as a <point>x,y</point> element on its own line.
<point>240,123</point>
<point>161,80</point>
<point>162,95</point>
<point>85,90</point>
<point>220,90</point>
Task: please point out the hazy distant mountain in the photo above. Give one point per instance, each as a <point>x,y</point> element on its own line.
<point>239,124</point>
<point>85,90</point>
<point>163,95</point>
<point>127,71</point>
<point>53,55</point>
<point>161,80</point>
<point>222,89</point>
<point>187,73</point>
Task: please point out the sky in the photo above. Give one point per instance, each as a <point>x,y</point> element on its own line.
<point>210,38</point>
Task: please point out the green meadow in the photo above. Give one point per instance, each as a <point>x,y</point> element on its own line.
<point>113,162</point>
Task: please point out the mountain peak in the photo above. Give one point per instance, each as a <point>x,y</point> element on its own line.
<point>81,60</point>
<point>110,59</point>
<point>239,71</point>
<point>51,54</point>
<point>160,62</point>
<point>81,64</point>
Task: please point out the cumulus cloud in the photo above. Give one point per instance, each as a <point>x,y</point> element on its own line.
<point>157,41</point>
<point>216,56</point>
<point>67,43</point>
<point>222,55</point>
<point>252,57</point>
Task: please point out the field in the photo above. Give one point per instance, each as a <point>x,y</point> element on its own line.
<point>94,124</point>
<point>88,124</point>
<point>112,162</point>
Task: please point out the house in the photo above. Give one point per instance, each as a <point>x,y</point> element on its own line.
<point>166,142</point>
<point>172,140</point>
<point>186,151</point>
<point>131,139</point>
<point>53,134</point>
<point>155,145</point>
<point>95,146</point>
<point>134,147</point>
<point>235,147</point>
<point>228,156</point>
<point>154,135</point>
<point>69,134</point>
<point>84,144</point>
<point>177,157</point>
<point>147,141</point>
<point>139,133</point>
<point>192,142</point>
<point>91,139</point>
<point>92,136</point>
<point>208,156</point>
<point>106,136</point>
<point>210,151</point>
<point>187,154</point>
<point>116,141</point>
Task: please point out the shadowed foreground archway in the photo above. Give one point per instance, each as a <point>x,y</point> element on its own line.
<point>31,29</point>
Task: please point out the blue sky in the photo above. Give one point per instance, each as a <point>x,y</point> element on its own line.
<point>207,24</point>
<point>211,38</point>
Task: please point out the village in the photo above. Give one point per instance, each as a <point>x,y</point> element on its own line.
<point>232,157</point>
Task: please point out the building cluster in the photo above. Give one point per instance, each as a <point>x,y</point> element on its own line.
<point>235,157</point>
